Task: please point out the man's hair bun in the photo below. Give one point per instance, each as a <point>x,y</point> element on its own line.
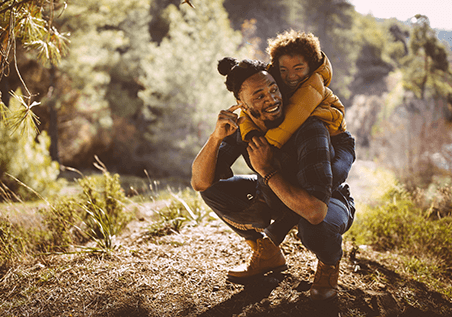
<point>226,65</point>
<point>237,72</point>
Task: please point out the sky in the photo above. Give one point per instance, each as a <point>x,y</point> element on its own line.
<point>439,12</point>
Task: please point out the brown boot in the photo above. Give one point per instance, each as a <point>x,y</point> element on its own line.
<point>266,257</point>
<point>325,282</point>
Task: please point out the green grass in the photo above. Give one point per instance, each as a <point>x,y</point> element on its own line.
<point>184,208</point>
<point>98,211</point>
<point>403,223</point>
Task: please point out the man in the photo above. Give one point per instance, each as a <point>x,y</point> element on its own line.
<point>295,180</point>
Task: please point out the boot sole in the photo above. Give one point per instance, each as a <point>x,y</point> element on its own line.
<point>248,279</point>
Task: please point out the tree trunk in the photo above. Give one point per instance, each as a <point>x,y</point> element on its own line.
<point>53,124</point>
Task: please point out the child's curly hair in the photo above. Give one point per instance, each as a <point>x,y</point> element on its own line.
<point>295,43</point>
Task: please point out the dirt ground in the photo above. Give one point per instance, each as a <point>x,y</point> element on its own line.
<point>185,275</point>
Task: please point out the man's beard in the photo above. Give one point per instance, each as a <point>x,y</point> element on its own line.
<point>270,124</point>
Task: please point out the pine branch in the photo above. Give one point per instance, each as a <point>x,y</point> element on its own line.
<point>13,5</point>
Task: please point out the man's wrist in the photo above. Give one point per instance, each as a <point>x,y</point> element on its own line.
<point>269,175</point>
<point>265,170</point>
<point>216,139</point>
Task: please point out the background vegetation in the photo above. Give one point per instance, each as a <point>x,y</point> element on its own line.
<point>134,83</point>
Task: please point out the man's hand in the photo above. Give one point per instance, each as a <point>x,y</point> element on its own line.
<point>261,155</point>
<point>227,123</point>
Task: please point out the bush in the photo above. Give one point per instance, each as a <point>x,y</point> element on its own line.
<point>103,201</point>
<point>27,158</point>
<point>59,222</point>
<point>398,222</point>
<point>97,214</point>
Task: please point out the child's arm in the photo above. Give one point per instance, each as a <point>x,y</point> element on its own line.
<point>247,127</point>
<point>299,108</point>
<point>331,112</point>
<point>307,101</point>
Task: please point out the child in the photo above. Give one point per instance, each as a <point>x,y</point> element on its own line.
<point>303,73</point>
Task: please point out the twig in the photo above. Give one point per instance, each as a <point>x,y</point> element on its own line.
<point>13,5</point>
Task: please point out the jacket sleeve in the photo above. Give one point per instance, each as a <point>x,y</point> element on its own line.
<point>331,111</point>
<point>247,128</point>
<point>300,107</point>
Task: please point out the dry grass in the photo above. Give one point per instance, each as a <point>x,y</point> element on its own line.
<point>185,275</point>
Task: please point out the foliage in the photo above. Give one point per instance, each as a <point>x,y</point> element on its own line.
<point>31,24</point>
<point>184,208</point>
<point>332,21</point>
<point>27,159</point>
<point>59,221</point>
<point>426,68</point>
<point>96,214</point>
<point>183,91</point>
<point>268,17</point>
<point>103,203</point>
<point>12,244</point>
<point>397,221</point>
<point>374,61</point>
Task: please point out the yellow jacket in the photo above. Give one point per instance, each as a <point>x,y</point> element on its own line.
<point>312,98</point>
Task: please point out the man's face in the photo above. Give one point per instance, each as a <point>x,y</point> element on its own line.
<point>263,100</point>
<point>293,70</point>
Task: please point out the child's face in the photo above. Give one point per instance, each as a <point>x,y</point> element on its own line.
<point>293,69</point>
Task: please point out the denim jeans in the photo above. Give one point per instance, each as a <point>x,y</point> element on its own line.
<point>235,194</point>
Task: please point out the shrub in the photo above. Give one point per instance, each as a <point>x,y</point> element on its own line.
<point>27,158</point>
<point>398,222</point>
<point>96,214</point>
<point>59,221</point>
<point>103,201</point>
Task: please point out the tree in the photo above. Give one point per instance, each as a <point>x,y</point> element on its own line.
<point>183,90</point>
<point>374,63</point>
<point>31,24</point>
<point>27,159</point>
<point>332,22</point>
<point>427,65</point>
<point>98,80</point>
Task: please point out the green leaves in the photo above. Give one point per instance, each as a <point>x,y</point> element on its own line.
<point>183,91</point>
<point>426,69</point>
<point>26,21</point>
<point>22,117</point>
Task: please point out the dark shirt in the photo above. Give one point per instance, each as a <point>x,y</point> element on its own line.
<point>304,161</point>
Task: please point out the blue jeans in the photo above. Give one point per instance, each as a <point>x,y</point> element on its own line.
<point>234,195</point>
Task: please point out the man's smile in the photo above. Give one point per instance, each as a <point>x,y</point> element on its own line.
<point>275,108</point>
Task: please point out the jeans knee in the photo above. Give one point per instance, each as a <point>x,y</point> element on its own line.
<point>324,243</point>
